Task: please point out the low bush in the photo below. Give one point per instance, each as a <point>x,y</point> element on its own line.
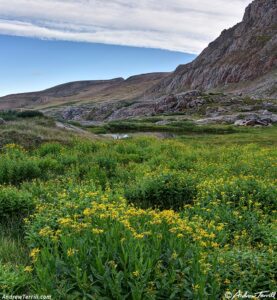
<point>164,191</point>
<point>29,114</point>
<point>8,115</point>
<point>14,203</point>
<point>50,149</point>
<point>240,191</point>
<point>15,171</point>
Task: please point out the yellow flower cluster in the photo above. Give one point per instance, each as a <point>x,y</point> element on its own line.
<point>70,252</point>
<point>34,254</point>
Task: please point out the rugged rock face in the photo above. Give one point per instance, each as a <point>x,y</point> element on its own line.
<point>241,54</point>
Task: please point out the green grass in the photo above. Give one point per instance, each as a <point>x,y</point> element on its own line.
<point>12,247</point>
<point>244,136</point>
<point>34,131</point>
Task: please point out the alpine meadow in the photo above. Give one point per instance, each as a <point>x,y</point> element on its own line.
<point>155,187</point>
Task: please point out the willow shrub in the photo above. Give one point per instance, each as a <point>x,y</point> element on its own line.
<point>14,203</point>
<point>167,190</point>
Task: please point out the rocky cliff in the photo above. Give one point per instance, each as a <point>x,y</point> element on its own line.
<point>242,59</point>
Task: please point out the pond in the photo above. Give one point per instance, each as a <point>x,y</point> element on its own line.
<point>122,136</point>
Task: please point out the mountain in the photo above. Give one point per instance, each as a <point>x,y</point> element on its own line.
<point>242,59</point>
<point>240,63</point>
<point>84,91</point>
<point>59,93</point>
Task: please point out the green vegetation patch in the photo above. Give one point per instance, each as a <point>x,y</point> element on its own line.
<point>10,115</point>
<point>149,125</point>
<point>143,218</point>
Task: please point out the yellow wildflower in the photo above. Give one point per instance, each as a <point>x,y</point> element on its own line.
<point>97,230</point>
<point>214,245</point>
<point>34,253</point>
<point>174,255</point>
<point>46,231</point>
<point>28,269</point>
<point>64,221</point>
<point>138,235</point>
<point>227,281</point>
<point>87,212</point>
<point>71,252</point>
<point>136,273</point>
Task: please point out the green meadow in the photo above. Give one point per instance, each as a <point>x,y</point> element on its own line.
<point>190,217</point>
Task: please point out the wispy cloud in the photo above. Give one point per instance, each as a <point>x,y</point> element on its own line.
<point>182,25</point>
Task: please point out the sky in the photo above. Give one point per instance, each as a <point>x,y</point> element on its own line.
<point>47,42</point>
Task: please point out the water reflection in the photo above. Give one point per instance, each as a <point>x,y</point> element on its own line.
<point>122,136</point>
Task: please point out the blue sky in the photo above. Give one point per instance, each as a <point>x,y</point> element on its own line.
<point>47,42</point>
<point>29,64</point>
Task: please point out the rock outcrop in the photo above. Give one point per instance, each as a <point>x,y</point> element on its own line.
<point>241,55</point>
<point>257,118</point>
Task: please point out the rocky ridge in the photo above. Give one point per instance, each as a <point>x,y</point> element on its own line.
<point>240,55</point>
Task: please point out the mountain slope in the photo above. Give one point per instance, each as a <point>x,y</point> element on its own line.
<point>240,54</point>
<point>84,92</point>
<point>60,92</point>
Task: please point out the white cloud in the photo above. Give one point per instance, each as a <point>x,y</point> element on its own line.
<point>182,25</point>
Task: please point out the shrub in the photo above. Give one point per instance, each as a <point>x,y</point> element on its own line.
<point>16,171</point>
<point>240,191</point>
<point>108,164</point>
<point>8,115</point>
<point>29,114</point>
<point>163,191</point>
<point>14,203</point>
<point>50,149</point>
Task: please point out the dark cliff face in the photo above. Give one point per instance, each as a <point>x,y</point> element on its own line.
<point>242,53</point>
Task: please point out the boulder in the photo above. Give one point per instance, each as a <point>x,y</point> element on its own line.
<point>240,123</point>
<point>163,122</point>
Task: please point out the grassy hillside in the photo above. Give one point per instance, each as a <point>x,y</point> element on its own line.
<point>82,92</point>
<point>34,130</point>
<point>185,218</point>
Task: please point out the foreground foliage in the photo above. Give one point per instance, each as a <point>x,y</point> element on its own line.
<point>139,219</point>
